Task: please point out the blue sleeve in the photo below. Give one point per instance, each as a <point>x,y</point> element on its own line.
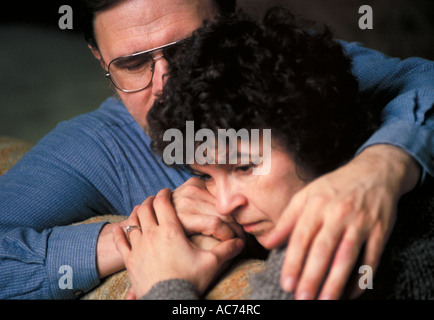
<point>32,262</point>
<point>65,178</point>
<point>405,90</point>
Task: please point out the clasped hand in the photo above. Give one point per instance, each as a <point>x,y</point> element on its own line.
<point>161,250</point>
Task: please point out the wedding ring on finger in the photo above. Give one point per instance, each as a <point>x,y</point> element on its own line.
<point>128,229</point>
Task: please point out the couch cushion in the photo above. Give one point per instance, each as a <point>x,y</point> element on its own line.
<point>11,150</point>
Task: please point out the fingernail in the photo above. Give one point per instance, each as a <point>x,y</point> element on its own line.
<point>325,297</point>
<point>288,284</point>
<point>303,296</point>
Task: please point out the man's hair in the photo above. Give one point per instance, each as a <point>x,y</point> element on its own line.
<point>89,8</point>
<point>238,73</point>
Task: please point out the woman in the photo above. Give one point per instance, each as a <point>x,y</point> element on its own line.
<point>240,74</point>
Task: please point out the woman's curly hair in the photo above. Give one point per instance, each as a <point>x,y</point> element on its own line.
<point>239,73</point>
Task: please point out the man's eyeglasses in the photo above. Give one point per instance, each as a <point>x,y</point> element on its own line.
<point>134,72</point>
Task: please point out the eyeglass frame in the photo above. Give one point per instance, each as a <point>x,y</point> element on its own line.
<point>135,54</point>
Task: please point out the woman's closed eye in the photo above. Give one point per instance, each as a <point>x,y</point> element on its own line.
<point>245,168</point>
<point>204,177</point>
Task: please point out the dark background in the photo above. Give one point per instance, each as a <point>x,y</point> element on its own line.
<point>48,75</point>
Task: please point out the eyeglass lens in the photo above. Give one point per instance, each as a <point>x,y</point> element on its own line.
<point>135,72</point>
<point>132,73</point>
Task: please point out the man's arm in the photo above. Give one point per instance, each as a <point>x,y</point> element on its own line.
<point>40,196</point>
<point>405,88</point>
<point>330,220</point>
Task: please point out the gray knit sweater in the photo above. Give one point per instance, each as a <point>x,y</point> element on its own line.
<point>265,285</point>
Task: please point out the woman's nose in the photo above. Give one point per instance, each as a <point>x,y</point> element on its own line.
<point>229,199</point>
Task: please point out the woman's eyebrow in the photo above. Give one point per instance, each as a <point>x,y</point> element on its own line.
<point>241,155</point>
<point>198,172</point>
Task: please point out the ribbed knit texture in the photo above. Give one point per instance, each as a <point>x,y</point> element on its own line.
<point>265,285</point>
<point>406,270</point>
<point>173,289</point>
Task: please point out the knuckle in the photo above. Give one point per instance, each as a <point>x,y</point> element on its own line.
<point>213,260</point>
<point>159,200</point>
<point>299,237</point>
<point>192,189</point>
<point>323,245</point>
<point>349,244</point>
<point>142,210</point>
<point>343,208</point>
<point>348,250</point>
<point>195,180</point>
<point>184,202</point>
<point>171,232</point>
<point>297,199</point>
<point>213,223</point>
<point>317,201</point>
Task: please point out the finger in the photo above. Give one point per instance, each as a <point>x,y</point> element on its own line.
<point>133,214</point>
<point>228,249</point>
<point>207,225</point>
<point>146,214</point>
<point>165,212</point>
<point>300,240</point>
<point>373,250</point>
<point>375,245</point>
<point>197,213</point>
<point>287,221</point>
<point>130,295</point>
<point>197,203</point>
<point>121,242</point>
<point>132,219</point>
<point>192,189</point>
<point>195,181</point>
<point>343,264</point>
<point>318,262</point>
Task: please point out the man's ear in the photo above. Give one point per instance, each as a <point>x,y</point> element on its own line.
<point>98,56</point>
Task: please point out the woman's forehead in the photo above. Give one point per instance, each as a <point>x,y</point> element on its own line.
<point>229,146</point>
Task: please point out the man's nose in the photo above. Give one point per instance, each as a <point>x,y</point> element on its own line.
<point>160,71</point>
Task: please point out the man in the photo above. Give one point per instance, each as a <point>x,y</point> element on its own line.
<point>101,163</point>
